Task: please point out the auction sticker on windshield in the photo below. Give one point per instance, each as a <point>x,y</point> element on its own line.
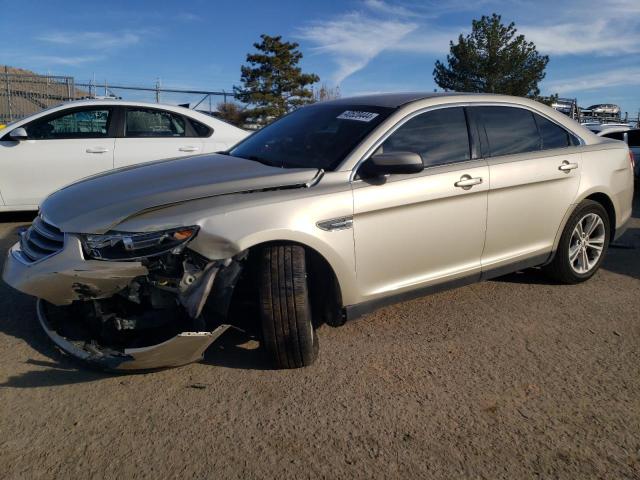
<point>358,116</point>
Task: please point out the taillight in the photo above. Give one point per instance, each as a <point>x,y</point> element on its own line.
<point>632,159</point>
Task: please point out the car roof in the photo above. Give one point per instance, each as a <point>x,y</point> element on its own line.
<point>391,100</point>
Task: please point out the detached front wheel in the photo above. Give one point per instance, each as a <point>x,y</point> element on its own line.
<point>287,327</point>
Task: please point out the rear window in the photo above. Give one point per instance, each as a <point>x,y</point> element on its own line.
<point>142,122</point>
<point>553,136</point>
<point>509,130</point>
<point>200,129</point>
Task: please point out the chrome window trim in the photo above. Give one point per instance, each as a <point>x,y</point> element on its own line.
<point>420,111</point>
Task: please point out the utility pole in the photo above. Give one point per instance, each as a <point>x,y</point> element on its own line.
<point>158,90</point>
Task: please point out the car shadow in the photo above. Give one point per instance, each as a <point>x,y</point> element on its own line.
<point>237,349</point>
<point>15,217</point>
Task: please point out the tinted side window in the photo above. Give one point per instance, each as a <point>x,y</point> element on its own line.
<point>509,130</point>
<point>553,136</point>
<point>615,135</point>
<point>439,137</point>
<point>90,123</point>
<point>633,137</point>
<point>153,123</point>
<point>200,128</point>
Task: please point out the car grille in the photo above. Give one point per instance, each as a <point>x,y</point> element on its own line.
<point>41,240</point>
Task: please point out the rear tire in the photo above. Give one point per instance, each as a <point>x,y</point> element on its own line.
<point>285,310</point>
<point>583,244</point>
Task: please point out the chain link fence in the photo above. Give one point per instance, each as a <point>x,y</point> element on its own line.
<point>23,93</point>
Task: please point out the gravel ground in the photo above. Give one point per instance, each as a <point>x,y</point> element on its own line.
<point>513,378</point>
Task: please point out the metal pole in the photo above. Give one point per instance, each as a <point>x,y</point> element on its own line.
<point>158,90</point>
<point>6,75</point>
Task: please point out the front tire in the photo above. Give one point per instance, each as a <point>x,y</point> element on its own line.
<point>285,310</point>
<point>583,244</point>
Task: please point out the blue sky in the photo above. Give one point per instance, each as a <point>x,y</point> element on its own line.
<point>361,45</point>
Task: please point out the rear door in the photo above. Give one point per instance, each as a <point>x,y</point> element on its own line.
<point>61,148</point>
<point>534,168</point>
<point>154,134</point>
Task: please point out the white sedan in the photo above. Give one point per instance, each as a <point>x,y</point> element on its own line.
<point>55,147</point>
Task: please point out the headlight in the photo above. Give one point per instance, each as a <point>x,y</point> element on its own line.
<point>130,246</point>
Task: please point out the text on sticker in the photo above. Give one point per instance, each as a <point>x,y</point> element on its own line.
<point>358,116</point>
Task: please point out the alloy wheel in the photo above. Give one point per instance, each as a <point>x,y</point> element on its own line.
<point>587,243</point>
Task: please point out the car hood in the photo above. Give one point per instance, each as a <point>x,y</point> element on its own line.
<point>96,204</point>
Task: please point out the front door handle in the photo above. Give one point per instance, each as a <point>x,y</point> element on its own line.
<point>189,149</point>
<point>566,166</point>
<point>466,182</point>
<point>97,150</point>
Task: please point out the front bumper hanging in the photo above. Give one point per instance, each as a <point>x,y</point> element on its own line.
<point>184,348</point>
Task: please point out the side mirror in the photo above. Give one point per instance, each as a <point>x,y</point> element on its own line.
<point>18,134</point>
<point>393,162</point>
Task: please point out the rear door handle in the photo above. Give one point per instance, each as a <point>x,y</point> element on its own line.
<point>189,149</point>
<point>566,166</point>
<point>466,182</point>
<point>97,150</point>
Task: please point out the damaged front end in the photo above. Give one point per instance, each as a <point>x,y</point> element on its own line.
<point>124,301</point>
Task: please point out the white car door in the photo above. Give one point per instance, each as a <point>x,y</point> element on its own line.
<point>61,148</point>
<point>154,134</point>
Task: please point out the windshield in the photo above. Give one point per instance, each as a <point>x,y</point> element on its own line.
<point>317,136</point>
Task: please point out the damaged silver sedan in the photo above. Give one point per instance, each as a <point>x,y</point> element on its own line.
<point>336,209</point>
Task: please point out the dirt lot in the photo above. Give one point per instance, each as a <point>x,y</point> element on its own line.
<point>513,378</point>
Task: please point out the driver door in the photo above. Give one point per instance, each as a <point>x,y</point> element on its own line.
<point>61,148</point>
<point>421,230</point>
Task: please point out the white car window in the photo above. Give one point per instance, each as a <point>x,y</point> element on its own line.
<point>153,123</point>
<point>86,123</point>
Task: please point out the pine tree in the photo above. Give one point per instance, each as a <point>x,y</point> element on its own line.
<point>272,82</point>
<point>492,59</point>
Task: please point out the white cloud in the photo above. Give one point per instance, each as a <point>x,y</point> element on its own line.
<point>599,37</point>
<point>354,39</point>
<point>65,61</point>
<point>603,28</point>
<point>383,7</point>
<point>92,40</point>
<point>603,79</point>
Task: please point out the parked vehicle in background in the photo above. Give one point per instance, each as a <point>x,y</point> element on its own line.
<point>332,211</point>
<point>630,136</point>
<point>598,127</point>
<point>57,146</point>
<point>604,109</point>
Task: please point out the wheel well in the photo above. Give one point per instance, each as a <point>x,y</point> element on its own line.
<point>604,200</point>
<point>324,289</point>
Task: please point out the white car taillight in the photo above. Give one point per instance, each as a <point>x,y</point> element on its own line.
<point>632,160</point>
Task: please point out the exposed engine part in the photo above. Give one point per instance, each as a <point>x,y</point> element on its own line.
<point>158,317</point>
<point>194,290</point>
